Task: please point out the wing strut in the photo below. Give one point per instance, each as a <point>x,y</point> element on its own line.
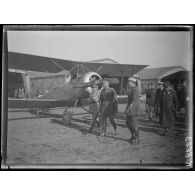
<point>58,65</point>
<point>83,68</point>
<point>86,68</point>
<point>75,104</point>
<point>99,68</point>
<point>67,115</point>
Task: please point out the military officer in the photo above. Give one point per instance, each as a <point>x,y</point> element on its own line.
<point>183,98</point>
<point>157,95</point>
<point>94,106</point>
<point>168,107</point>
<point>108,106</point>
<point>133,110</point>
<point>150,96</point>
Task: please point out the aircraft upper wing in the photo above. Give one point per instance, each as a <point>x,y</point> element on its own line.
<point>111,69</point>
<point>52,65</point>
<point>29,62</point>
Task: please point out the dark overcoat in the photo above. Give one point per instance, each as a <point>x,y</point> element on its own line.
<point>108,101</point>
<point>168,108</point>
<point>156,101</point>
<point>182,97</point>
<point>133,105</point>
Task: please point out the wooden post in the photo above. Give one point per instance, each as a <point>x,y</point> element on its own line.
<point>133,70</point>
<point>4,101</point>
<point>122,76</point>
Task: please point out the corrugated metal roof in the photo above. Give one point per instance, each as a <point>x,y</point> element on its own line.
<point>158,73</point>
<point>104,60</point>
<point>182,75</point>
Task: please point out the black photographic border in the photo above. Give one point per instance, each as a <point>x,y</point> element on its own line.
<point>98,167</point>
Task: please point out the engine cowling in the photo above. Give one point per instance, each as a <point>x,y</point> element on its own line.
<point>87,77</point>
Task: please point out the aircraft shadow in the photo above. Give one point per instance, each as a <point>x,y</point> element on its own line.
<point>145,128</point>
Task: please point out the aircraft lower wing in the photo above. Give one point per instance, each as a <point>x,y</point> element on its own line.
<point>36,103</point>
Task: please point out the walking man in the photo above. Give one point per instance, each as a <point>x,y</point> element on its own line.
<point>157,96</point>
<point>168,107</point>
<point>133,110</point>
<point>150,96</point>
<point>108,106</point>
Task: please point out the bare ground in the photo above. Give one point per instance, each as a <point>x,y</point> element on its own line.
<point>34,139</point>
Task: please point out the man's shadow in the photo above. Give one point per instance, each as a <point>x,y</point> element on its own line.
<point>144,125</point>
<point>72,125</point>
<point>83,130</point>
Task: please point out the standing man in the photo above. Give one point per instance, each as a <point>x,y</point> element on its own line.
<point>108,106</point>
<point>94,106</point>
<point>150,96</point>
<point>183,97</point>
<point>16,93</point>
<point>157,96</point>
<point>133,110</point>
<point>168,107</point>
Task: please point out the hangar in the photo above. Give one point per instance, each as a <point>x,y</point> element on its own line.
<point>18,80</point>
<point>175,74</point>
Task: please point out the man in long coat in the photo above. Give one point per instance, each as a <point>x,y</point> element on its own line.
<point>183,97</point>
<point>157,96</point>
<point>150,97</point>
<point>133,110</point>
<point>168,107</point>
<point>108,106</point>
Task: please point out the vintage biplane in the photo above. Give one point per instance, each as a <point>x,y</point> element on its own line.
<point>68,94</point>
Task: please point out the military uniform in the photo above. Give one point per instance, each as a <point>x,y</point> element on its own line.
<point>168,107</point>
<point>183,98</point>
<point>156,101</point>
<point>94,107</point>
<point>150,99</point>
<point>108,107</point>
<point>132,111</point>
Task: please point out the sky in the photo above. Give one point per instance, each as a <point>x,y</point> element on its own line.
<point>157,49</point>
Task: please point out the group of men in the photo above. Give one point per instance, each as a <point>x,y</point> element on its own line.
<point>163,101</point>
<point>19,93</point>
<point>104,105</point>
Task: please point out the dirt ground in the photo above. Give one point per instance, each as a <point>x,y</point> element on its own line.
<point>33,139</point>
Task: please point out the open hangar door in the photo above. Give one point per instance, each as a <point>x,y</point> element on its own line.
<point>18,84</point>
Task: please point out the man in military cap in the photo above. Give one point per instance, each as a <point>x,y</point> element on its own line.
<point>133,110</point>
<point>150,96</point>
<point>157,95</point>
<point>183,97</point>
<point>108,106</point>
<point>168,107</point>
<point>94,106</point>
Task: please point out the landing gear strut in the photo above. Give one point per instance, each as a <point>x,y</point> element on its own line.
<point>67,115</point>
